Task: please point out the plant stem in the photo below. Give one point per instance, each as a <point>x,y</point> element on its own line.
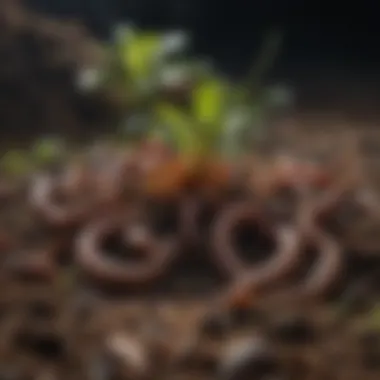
<point>269,51</point>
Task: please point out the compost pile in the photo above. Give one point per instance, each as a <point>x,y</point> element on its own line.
<point>179,248</point>
<point>137,261</point>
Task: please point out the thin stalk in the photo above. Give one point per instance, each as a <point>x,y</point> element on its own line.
<point>266,58</point>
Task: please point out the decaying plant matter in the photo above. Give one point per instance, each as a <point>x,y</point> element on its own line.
<point>182,200</point>
<point>223,217</point>
<point>106,221</point>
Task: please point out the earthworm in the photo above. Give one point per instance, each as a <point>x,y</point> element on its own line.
<point>95,262</point>
<point>286,256</point>
<point>42,199</point>
<point>330,262</point>
<point>328,268</point>
<point>292,244</point>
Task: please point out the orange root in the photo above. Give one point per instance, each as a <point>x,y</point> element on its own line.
<point>167,179</point>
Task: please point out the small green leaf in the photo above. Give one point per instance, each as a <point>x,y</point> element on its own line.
<point>139,54</point>
<point>209,100</point>
<point>47,150</point>
<point>181,129</point>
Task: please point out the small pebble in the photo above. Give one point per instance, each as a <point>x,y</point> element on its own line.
<point>130,351</point>
<point>247,358</point>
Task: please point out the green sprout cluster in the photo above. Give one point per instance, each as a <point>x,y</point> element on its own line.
<point>218,117</point>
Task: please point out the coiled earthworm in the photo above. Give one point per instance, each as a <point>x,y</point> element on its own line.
<point>318,282</point>
<point>329,265</point>
<point>330,259</point>
<point>95,262</point>
<point>283,261</point>
<point>42,199</point>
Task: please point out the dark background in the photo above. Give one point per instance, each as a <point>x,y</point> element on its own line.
<point>330,50</point>
<point>325,35</point>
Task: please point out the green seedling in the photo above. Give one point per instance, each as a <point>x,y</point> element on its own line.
<point>136,59</point>
<point>221,115</point>
<point>48,151</point>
